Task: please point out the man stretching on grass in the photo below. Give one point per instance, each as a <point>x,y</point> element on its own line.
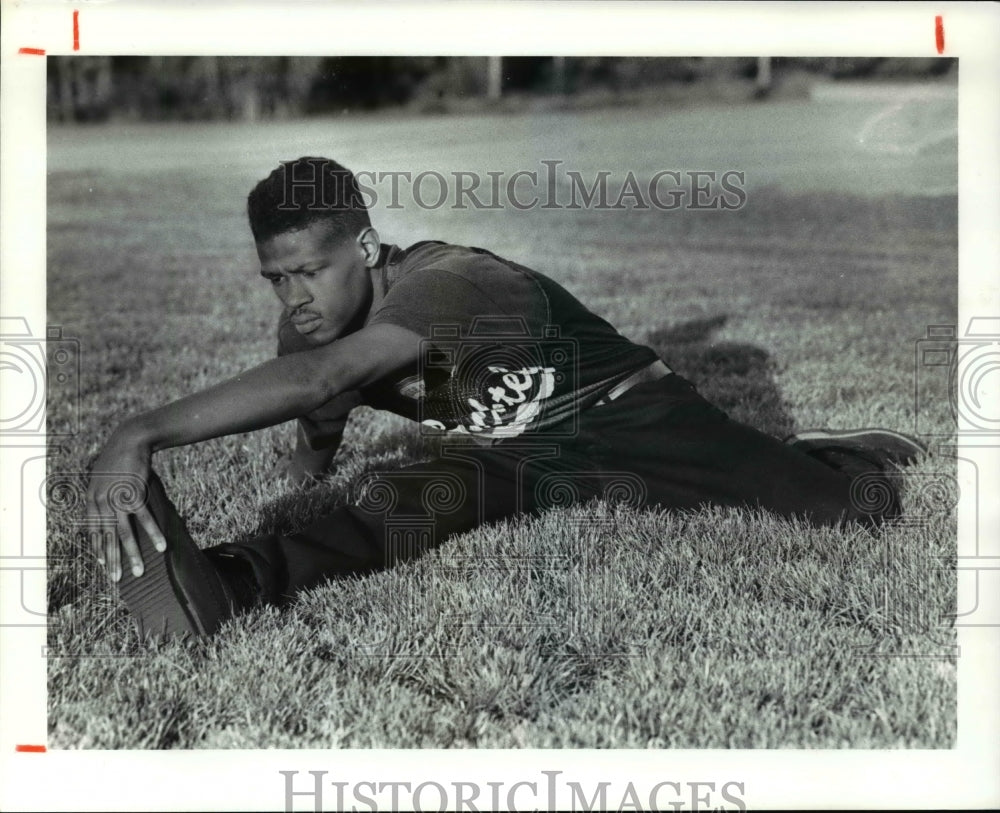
<point>469,344</point>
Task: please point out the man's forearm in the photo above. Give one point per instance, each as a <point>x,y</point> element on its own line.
<point>274,392</point>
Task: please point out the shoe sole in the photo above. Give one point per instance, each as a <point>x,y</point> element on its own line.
<point>912,448</point>
<point>179,593</point>
<point>157,609</point>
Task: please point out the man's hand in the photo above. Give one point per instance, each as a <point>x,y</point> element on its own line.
<point>123,466</point>
<point>306,464</point>
<point>295,473</point>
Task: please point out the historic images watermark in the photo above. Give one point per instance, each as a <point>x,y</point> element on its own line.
<point>550,186</point>
<point>956,408</point>
<point>39,370</point>
<point>543,792</point>
<point>962,371</point>
<point>40,408</point>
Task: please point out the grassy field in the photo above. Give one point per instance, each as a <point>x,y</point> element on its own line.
<point>592,626</point>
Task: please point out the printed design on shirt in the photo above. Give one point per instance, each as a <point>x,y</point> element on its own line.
<point>495,385</point>
<point>499,402</point>
<point>515,400</point>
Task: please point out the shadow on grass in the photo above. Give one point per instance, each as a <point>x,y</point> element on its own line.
<point>299,507</point>
<point>737,378</point>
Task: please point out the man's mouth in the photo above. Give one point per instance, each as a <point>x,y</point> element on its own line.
<point>306,322</point>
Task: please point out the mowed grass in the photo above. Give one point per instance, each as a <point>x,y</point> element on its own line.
<point>590,626</point>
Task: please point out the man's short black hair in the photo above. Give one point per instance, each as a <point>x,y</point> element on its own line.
<point>302,192</point>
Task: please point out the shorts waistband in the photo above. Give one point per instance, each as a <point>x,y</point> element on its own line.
<point>652,372</point>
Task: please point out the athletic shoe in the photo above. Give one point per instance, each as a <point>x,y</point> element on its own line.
<point>180,592</point>
<point>882,446</point>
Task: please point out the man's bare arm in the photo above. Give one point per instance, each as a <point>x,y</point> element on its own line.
<point>280,389</point>
<point>271,393</point>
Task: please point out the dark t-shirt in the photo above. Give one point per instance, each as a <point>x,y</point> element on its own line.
<point>504,349</point>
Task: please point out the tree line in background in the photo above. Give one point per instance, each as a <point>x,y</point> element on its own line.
<point>156,88</point>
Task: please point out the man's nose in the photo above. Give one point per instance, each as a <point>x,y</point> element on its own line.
<point>298,295</point>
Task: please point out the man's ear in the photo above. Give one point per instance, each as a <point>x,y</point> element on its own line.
<point>371,245</point>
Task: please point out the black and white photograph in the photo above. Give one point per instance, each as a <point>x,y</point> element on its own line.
<point>552,403</point>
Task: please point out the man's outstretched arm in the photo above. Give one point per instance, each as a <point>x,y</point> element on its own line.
<point>274,392</point>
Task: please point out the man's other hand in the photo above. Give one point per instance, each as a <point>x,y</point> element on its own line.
<point>306,465</point>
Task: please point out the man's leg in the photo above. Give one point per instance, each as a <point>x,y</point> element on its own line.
<point>689,454</point>
<point>404,513</point>
<point>684,452</point>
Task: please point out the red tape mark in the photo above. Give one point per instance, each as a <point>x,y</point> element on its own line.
<point>31,749</point>
<point>34,51</point>
<point>939,33</point>
<point>76,30</point>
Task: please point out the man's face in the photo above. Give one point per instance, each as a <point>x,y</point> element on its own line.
<point>321,278</point>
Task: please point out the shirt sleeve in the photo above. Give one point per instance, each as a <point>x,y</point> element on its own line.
<point>324,426</point>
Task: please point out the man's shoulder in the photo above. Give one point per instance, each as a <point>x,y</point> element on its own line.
<point>436,272</point>
<point>435,255</point>
<point>459,259</point>
<point>432,283</point>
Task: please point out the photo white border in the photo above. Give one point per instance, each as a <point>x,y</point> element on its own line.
<point>966,776</point>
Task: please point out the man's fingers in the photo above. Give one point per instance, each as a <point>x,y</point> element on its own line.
<point>148,523</point>
<point>96,539</point>
<point>116,545</point>
<point>133,558</point>
<point>104,537</point>
<point>96,535</point>
<point>112,554</point>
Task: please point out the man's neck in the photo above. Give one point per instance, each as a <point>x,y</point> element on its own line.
<point>379,279</point>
